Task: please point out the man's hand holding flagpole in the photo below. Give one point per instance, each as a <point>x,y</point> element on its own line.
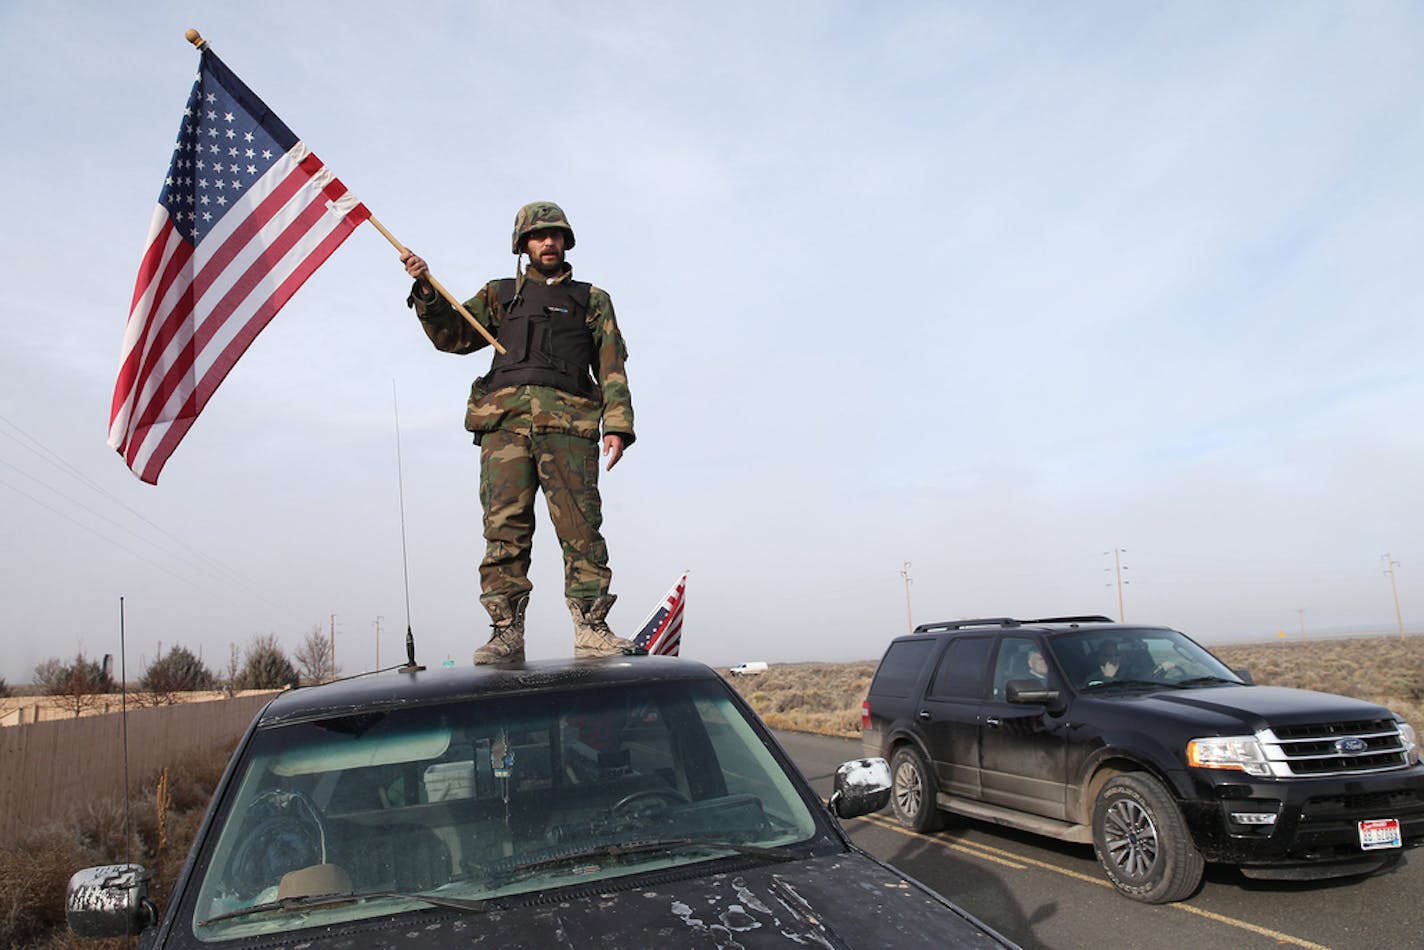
<point>429,278</point>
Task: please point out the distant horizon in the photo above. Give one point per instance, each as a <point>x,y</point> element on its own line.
<point>1355,632</point>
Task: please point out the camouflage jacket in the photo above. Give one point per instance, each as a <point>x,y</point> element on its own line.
<point>537,408</point>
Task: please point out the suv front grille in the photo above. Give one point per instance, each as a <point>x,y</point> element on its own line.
<point>1337,748</point>
<point>1398,804</point>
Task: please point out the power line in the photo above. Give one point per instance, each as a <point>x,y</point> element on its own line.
<point>220,571</point>
<point>118,544</point>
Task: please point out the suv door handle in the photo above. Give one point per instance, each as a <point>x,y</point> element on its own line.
<point>993,722</point>
<point>924,714</point>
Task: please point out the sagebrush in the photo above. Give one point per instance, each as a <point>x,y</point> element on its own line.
<point>36,867</point>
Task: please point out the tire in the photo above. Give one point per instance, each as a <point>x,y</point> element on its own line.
<point>912,791</point>
<point>1142,842</point>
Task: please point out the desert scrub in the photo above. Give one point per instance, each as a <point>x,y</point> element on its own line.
<point>36,867</point>
<point>823,698</point>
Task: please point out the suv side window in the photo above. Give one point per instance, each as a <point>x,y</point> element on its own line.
<point>1016,662</point>
<point>961,672</point>
<point>901,666</point>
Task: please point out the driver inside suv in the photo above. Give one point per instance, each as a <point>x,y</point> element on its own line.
<point>1109,660</point>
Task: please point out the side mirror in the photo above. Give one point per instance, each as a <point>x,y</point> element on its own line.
<point>1031,692</point>
<point>1244,676</point>
<point>862,786</point>
<point>109,901</point>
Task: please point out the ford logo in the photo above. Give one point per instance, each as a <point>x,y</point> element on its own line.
<point>1351,745</point>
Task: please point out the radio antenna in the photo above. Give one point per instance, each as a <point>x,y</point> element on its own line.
<point>410,665</point>
<point>124,726</point>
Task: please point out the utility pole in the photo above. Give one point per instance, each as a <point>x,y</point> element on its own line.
<point>377,624</point>
<point>333,646</point>
<point>1389,565</point>
<point>909,617</point>
<point>1117,569</point>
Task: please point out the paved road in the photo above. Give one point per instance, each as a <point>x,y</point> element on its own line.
<point>1047,894</point>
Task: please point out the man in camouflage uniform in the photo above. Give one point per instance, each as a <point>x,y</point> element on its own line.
<point>537,417</point>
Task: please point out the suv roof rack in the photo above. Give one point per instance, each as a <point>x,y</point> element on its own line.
<point>1006,622</point>
<point>962,624</point>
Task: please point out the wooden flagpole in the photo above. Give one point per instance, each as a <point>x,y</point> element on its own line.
<point>194,37</point>
<point>439,287</point>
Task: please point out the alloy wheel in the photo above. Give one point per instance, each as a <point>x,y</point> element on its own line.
<point>1130,838</point>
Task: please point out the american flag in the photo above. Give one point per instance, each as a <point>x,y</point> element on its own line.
<point>661,634</point>
<point>246,215</point>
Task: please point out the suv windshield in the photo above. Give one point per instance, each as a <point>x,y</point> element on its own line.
<point>1127,658</point>
<point>487,798</point>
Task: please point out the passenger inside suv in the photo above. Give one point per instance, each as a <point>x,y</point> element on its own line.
<point>1018,659</point>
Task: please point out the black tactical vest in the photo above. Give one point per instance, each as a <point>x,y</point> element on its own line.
<point>545,338</point>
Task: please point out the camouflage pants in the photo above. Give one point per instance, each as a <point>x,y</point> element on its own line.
<point>512,466</point>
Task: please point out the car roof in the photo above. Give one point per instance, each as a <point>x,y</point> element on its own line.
<point>1045,625</point>
<point>439,684</point>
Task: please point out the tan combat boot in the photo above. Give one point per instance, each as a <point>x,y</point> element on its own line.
<point>506,643</point>
<point>591,634</point>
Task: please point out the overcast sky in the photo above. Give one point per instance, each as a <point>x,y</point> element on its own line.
<point>988,288</point>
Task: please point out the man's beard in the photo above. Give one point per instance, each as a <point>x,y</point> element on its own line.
<point>548,270</point>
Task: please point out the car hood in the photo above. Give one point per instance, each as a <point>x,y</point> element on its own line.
<point>1259,706</point>
<point>846,900</point>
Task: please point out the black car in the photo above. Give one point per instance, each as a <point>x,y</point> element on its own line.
<point>620,802</point>
<point>1137,740</point>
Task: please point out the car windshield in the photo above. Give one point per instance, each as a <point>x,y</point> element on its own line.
<point>488,798</point>
<point>1110,659</point>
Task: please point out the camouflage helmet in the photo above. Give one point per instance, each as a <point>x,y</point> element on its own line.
<point>537,215</point>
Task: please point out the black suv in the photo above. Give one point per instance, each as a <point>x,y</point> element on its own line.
<point>1138,740</point>
<point>619,802</point>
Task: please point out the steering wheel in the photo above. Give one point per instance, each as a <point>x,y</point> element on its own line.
<point>1169,671</point>
<point>668,794</point>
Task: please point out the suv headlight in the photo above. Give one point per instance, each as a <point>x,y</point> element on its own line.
<point>1411,742</point>
<point>1242,753</point>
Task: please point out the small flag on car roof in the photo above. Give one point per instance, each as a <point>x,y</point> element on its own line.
<point>661,633</point>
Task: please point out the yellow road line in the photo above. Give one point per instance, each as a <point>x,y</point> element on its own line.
<point>965,849</point>
<point>987,852</point>
<point>1245,925</point>
<point>1020,862</point>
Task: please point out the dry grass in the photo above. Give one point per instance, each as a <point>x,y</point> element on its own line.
<point>825,698</point>
<point>35,869</point>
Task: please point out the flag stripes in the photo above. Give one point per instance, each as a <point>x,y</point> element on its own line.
<point>238,229</point>
<point>661,633</point>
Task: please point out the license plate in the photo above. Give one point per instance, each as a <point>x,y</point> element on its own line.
<point>1376,833</point>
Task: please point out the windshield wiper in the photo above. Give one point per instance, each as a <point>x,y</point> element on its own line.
<point>310,901</point>
<point>1203,680</point>
<point>1136,684</point>
<point>614,849</point>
